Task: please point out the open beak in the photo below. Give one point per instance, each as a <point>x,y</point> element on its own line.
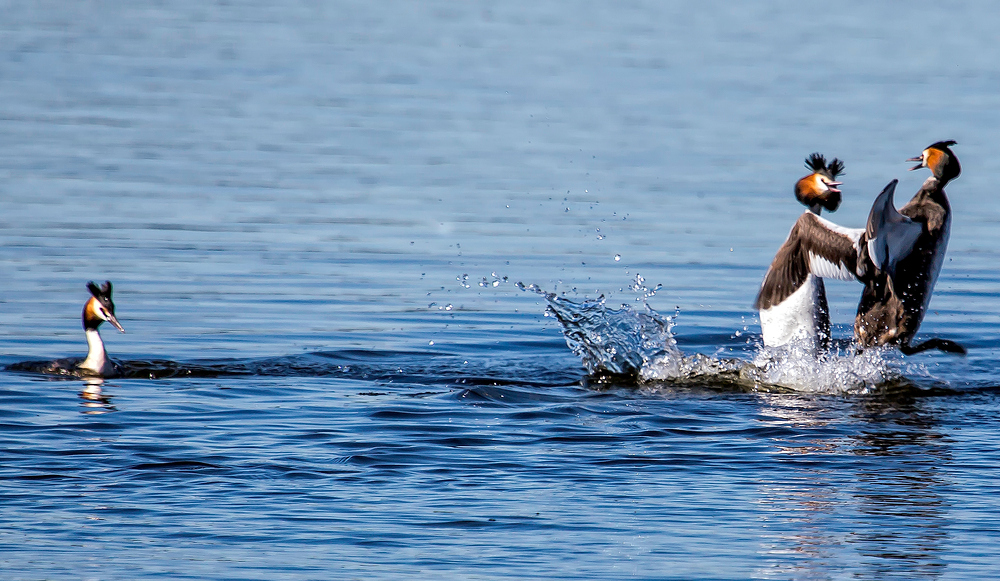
<point>918,159</point>
<point>833,186</point>
<point>114,321</point>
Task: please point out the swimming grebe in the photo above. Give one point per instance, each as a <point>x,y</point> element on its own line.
<point>98,308</point>
<point>792,299</point>
<point>901,258</point>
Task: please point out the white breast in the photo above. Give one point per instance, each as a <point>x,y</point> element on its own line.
<point>797,318</point>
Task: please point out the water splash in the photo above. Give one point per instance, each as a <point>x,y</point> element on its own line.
<point>619,341</point>
<point>639,286</point>
<point>836,371</point>
<point>494,280</point>
<point>794,367</point>
<point>640,343</point>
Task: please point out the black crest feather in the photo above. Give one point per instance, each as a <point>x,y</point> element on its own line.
<point>835,168</point>
<point>101,293</point>
<point>816,162</point>
<point>942,145</point>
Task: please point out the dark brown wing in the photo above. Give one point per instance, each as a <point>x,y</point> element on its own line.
<point>814,246</point>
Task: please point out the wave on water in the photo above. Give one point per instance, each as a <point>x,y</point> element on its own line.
<point>383,367</point>
<point>625,346</point>
<point>638,345</point>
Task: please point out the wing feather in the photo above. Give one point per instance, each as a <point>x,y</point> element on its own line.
<point>814,246</point>
<point>832,249</point>
<point>890,235</point>
<point>824,268</point>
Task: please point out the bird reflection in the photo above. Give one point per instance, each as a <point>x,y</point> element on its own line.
<point>94,399</point>
<point>898,486</point>
<point>856,482</point>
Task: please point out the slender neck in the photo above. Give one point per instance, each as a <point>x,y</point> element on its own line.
<point>816,209</point>
<point>933,189</point>
<point>97,358</point>
<point>942,181</point>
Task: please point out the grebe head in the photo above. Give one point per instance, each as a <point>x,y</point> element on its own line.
<point>939,158</point>
<point>99,307</point>
<point>818,190</point>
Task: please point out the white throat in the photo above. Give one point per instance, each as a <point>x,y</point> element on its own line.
<point>97,358</point>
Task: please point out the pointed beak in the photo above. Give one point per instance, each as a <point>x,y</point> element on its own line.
<point>833,186</point>
<point>920,163</point>
<point>114,321</point>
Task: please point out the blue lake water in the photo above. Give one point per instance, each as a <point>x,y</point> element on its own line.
<point>316,215</point>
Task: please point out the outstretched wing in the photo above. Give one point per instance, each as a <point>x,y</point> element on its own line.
<point>832,249</point>
<point>814,246</point>
<point>890,235</point>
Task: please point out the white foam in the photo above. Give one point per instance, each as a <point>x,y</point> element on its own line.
<point>627,340</point>
<point>794,366</point>
<point>836,371</point>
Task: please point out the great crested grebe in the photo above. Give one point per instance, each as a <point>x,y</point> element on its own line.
<point>901,257</point>
<point>96,310</point>
<point>792,298</point>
